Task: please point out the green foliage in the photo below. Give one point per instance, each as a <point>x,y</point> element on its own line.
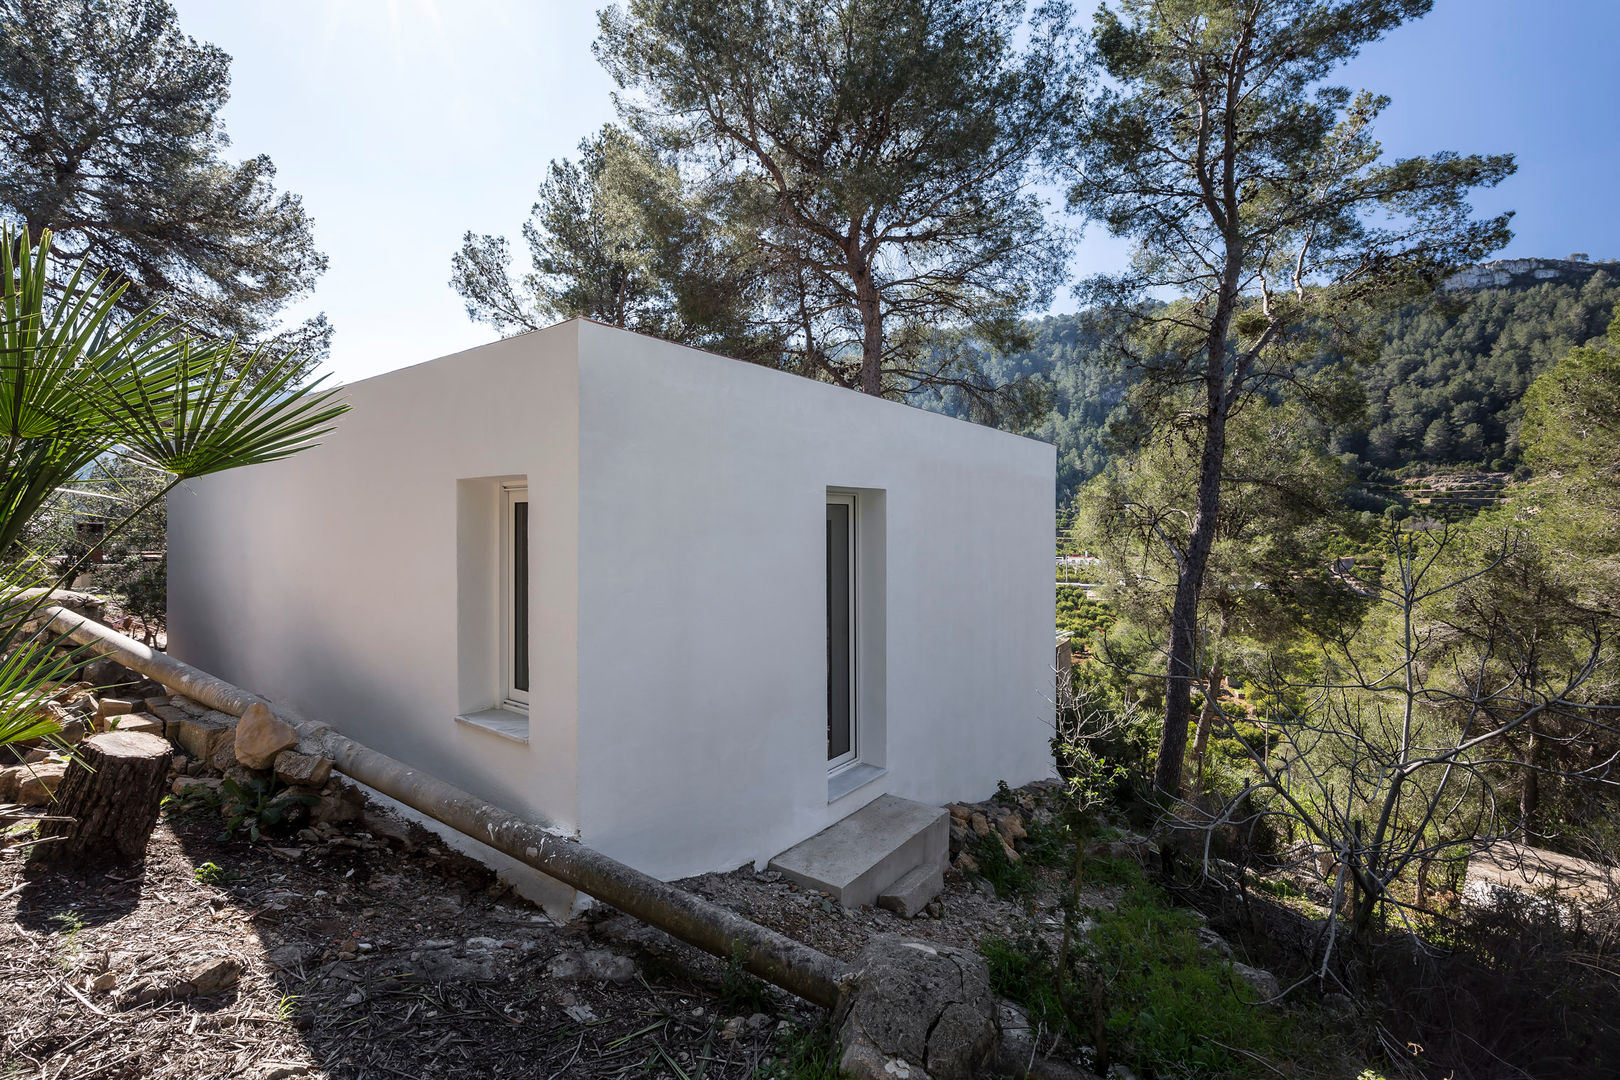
<point>258,806</point>
<point>1169,1003</point>
<point>803,1053</point>
<point>1140,976</point>
<point>210,873</point>
<point>741,992</point>
<point>887,146</point>
<point>1007,877</point>
<point>1082,617</point>
<point>621,237</point>
<point>1024,970</point>
<point>110,135</point>
<point>1450,370</point>
<point>80,383</point>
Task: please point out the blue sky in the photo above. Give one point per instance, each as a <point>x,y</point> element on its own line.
<point>404,123</point>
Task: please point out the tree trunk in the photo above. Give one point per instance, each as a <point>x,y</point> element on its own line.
<point>1530,792</point>
<point>1206,717</point>
<point>870,307</point>
<point>1181,670</point>
<point>111,791</point>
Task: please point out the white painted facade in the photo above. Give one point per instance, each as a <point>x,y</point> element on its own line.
<point>677,590</point>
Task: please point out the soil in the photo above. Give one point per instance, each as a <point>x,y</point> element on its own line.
<point>343,957</point>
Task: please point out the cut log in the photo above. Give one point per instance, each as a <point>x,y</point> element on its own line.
<point>111,792</point>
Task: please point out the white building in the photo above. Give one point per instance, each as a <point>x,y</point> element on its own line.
<point>580,572</point>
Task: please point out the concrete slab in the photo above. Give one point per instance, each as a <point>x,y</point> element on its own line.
<point>868,851</point>
<point>908,896</point>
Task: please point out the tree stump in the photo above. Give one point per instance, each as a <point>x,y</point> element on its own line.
<point>112,791</point>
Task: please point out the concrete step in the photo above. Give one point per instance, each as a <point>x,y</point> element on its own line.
<point>861,856</point>
<point>908,896</point>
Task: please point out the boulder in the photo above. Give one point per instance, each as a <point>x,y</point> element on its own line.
<point>109,706</point>
<point>224,755</point>
<point>308,770</point>
<point>196,785</point>
<point>1264,982</point>
<point>36,784</point>
<point>918,1010</point>
<point>201,735</point>
<point>145,723</point>
<point>261,735</point>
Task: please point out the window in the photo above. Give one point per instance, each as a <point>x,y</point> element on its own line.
<point>515,596</point>
<point>842,574</point>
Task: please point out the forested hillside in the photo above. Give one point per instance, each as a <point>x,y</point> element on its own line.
<point>1445,388</point>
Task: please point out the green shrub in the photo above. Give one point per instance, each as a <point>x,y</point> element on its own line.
<point>1141,979</point>
<point>1171,1006</point>
<point>1007,877</point>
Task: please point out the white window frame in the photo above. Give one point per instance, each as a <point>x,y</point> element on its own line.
<point>511,697</point>
<point>845,761</point>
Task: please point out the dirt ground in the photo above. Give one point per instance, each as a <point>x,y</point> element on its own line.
<point>346,958</point>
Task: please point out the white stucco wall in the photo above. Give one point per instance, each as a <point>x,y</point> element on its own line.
<point>678,705</point>
<point>329,581</point>
<point>703,606</point>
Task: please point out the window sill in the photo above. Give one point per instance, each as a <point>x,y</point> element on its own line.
<point>506,723</point>
<point>851,777</point>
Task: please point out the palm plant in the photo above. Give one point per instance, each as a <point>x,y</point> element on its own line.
<point>80,381</point>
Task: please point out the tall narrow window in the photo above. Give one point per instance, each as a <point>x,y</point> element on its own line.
<point>841,748</point>
<point>515,596</point>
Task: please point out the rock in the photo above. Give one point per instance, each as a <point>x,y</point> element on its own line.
<point>1212,941</point>
<point>1012,828</point>
<point>293,956</point>
<point>210,977</point>
<point>107,673</point>
<point>597,964</point>
<point>966,863</point>
<point>732,1029</point>
<point>308,770</point>
<point>1264,982</point>
<point>1338,1006</point>
<point>261,735</point>
<point>73,730</point>
<point>981,824</point>
<point>224,755</point>
<point>911,1009</point>
<point>36,784</point>
<point>108,706</point>
<point>185,704</point>
<point>443,966</point>
<point>1012,852</point>
<point>141,722</point>
<point>959,813</point>
<point>106,981</point>
<point>198,735</point>
<point>196,785</point>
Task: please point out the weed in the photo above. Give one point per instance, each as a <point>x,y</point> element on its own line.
<point>1282,888</point>
<point>1139,988</point>
<point>213,874</point>
<point>1170,1005</point>
<point>806,1054</point>
<point>1007,877</point>
<point>1111,870</point>
<point>259,806</point>
<point>72,924</point>
<point>287,1007</point>
<point>740,992</point>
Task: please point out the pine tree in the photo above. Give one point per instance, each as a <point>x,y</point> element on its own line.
<point>110,137</point>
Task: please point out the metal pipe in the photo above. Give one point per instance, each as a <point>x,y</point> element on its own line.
<point>774,957</point>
